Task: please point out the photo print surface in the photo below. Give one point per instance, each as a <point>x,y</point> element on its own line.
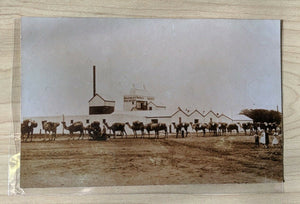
<point>122,102</point>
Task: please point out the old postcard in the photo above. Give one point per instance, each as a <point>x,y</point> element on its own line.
<point>119,102</point>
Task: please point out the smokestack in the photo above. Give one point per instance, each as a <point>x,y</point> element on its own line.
<point>94,80</point>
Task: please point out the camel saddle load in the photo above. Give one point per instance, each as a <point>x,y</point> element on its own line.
<point>95,133</point>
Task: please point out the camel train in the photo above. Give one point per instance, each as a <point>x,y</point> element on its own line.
<point>94,131</point>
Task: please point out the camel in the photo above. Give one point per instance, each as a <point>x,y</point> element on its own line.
<point>222,127</point>
<point>156,127</point>
<point>136,126</point>
<point>212,127</point>
<point>195,127</point>
<point>54,128</point>
<point>75,127</point>
<point>245,127</point>
<point>255,127</point>
<point>263,126</point>
<point>149,128</point>
<point>178,128</point>
<point>50,127</point>
<point>272,127</point>
<point>231,127</point>
<point>94,130</point>
<point>27,128</point>
<point>186,126</point>
<point>203,127</point>
<point>117,127</point>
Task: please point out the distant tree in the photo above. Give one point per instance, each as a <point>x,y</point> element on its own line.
<point>263,115</point>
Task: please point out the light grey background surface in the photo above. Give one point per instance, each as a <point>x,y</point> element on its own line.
<point>219,65</point>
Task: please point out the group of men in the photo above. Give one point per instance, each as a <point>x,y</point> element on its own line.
<point>263,137</point>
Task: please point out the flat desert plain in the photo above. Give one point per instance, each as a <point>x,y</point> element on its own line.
<point>136,161</point>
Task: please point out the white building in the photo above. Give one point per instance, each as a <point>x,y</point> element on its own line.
<point>99,105</point>
<point>147,116</point>
<point>140,99</point>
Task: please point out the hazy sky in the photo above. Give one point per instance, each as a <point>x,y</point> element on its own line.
<point>223,65</point>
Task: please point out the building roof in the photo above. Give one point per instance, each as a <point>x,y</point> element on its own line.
<point>241,117</point>
<point>104,98</point>
<point>157,105</point>
<point>165,113</point>
<point>222,115</point>
<point>196,111</point>
<point>212,113</point>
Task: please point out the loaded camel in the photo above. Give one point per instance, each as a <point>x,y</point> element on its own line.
<point>116,127</point>
<point>222,127</point>
<point>27,128</point>
<point>156,127</point>
<point>149,128</point>
<point>75,127</point>
<point>185,127</point>
<point>231,127</point>
<point>178,128</point>
<point>136,126</point>
<point>195,127</point>
<point>212,127</point>
<point>50,127</point>
<point>203,127</point>
<point>245,127</point>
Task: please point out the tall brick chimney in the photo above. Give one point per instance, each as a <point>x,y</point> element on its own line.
<point>94,80</point>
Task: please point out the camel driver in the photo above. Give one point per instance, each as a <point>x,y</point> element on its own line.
<point>104,131</point>
<point>182,132</point>
<point>267,139</point>
<point>256,138</point>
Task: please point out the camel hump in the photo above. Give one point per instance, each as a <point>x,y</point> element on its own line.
<point>78,123</point>
<point>56,124</point>
<point>137,123</point>
<point>119,124</point>
<point>27,122</point>
<point>162,125</point>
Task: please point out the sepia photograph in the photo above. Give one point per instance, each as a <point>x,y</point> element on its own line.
<point>127,102</point>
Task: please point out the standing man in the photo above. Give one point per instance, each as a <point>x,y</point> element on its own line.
<point>256,138</point>
<point>104,131</point>
<point>267,139</point>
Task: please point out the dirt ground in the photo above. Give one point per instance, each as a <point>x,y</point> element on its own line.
<point>191,160</point>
